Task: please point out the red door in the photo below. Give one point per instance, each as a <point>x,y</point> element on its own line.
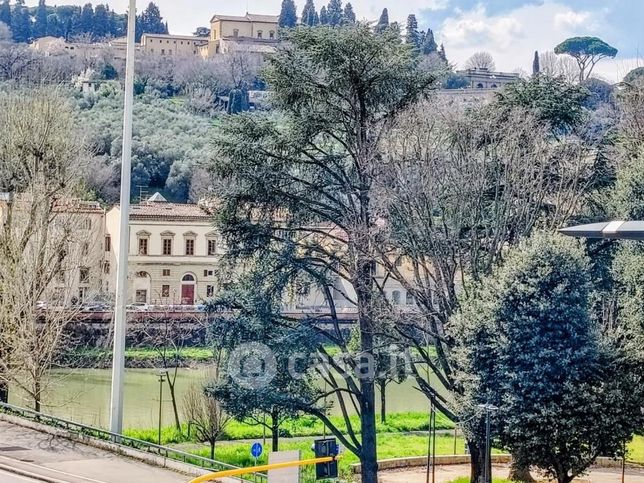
<point>188,294</point>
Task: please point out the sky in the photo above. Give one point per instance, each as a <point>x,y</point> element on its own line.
<point>511,30</point>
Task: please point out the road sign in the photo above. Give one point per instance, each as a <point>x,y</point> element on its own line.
<point>322,448</point>
<point>256,450</point>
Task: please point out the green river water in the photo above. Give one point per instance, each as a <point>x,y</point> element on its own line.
<point>83,395</point>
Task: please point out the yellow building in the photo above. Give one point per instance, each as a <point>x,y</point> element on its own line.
<point>172,45</point>
<point>252,33</point>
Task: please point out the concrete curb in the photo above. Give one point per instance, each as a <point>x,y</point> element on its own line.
<point>441,460</point>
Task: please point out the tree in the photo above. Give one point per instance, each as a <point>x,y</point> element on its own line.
<point>481,60</point>
<point>235,101</point>
<point>87,19</point>
<point>528,345</point>
<point>41,160</point>
<point>54,26</point>
<point>40,27</point>
<point>412,35</point>
<point>383,21</point>
<point>309,14</point>
<point>315,168</point>
<point>558,66</point>
<point>587,51</point>
<point>635,75</point>
<point>101,28</point>
<point>5,13</point>
<point>205,416</point>
<point>550,99</point>
<point>16,61</point>
<point>334,13</point>
<point>202,32</point>
<point>324,18</point>
<point>428,43</point>
<point>288,14</point>
<point>150,22</point>
<point>453,156</point>
<point>535,64</point>
<point>21,22</point>
<point>349,15</point>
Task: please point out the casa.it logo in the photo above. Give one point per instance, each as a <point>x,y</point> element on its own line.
<point>252,365</point>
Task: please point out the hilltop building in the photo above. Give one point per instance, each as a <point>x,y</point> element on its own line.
<point>486,79</point>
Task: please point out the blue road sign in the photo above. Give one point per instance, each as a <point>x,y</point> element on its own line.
<point>256,450</point>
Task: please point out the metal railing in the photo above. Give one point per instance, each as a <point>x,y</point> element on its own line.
<point>126,441</point>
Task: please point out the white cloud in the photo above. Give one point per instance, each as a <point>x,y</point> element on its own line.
<point>571,19</point>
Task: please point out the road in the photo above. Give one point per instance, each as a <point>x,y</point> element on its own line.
<point>12,478</point>
<point>31,453</point>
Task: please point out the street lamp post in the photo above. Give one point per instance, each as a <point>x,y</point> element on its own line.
<point>120,313</point>
<point>488,446</point>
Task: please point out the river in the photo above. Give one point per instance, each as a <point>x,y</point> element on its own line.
<point>83,396</point>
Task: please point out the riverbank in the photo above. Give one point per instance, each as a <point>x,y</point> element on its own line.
<point>136,358</point>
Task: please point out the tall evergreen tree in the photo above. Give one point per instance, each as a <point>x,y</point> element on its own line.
<point>335,13</point>
<point>150,22</point>
<point>21,22</point>
<point>441,53</point>
<point>349,14</point>
<point>288,14</point>
<point>55,27</point>
<point>324,17</point>
<point>428,44</point>
<point>536,68</point>
<point>5,13</point>
<point>309,14</point>
<point>412,34</point>
<point>40,27</point>
<point>101,22</point>
<point>87,19</point>
<point>383,21</point>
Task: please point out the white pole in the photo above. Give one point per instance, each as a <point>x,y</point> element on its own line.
<point>120,314</point>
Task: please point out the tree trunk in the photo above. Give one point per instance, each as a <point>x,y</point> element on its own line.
<point>37,396</point>
<point>173,397</point>
<point>212,450</point>
<point>4,392</point>
<point>383,401</point>
<point>477,461</point>
<point>369,453</point>
<point>275,430</point>
<point>520,473</point>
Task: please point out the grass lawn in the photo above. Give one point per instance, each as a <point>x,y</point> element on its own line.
<point>305,426</point>
<point>636,450</point>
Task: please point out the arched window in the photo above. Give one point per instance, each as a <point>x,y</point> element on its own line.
<point>259,34</point>
<point>188,278</point>
<point>395,296</point>
<point>271,34</point>
<point>479,85</point>
<point>235,33</point>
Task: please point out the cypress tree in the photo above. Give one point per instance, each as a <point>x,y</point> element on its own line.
<point>536,68</point>
<point>349,14</point>
<point>21,22</point>
<point>55,27</point>
<point>309,14</point>
<point>441,53</point>
<point>383,22</point>
<point>288,14</point>
<point>428,44</point>
<point>334,12</point>
<point>87,19</point>
<point>5,13</point>
<point>324,18</point>
<point>40,27</point>
<point>101,22</point>
<point>412,35</point>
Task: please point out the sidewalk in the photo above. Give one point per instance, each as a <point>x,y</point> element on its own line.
<point>66,461</point>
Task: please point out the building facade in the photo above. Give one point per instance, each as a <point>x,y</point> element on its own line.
<point>172,45</point>
<point>174,252</point>
<point>252,33</point>
<point>487,79</point>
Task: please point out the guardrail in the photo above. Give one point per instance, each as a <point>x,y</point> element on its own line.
<point>125,441</point>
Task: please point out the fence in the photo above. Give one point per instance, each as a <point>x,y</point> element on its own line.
<point>125,441</point>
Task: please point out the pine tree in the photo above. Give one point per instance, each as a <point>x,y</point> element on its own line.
<point>55,27</point>
<point>428,45</point>
<point>150,22</point>
<point>21,22</point>
<point>101,22</point>
<point>536,68</point>
<point>324,18</point>
<point>349,14</point>
<point>309,14</point>
<point>288,14</point>
<point>5,13</point>
<point>40,27</point>
<point>383,22</point>
<point>334,12</point>
<point>87,19</point>
<point>394,28</point>
<point>441,53</point>
<point>412,34</point>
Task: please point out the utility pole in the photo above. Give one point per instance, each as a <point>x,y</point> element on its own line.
<point>120,313</point>
<point>488,445</point>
